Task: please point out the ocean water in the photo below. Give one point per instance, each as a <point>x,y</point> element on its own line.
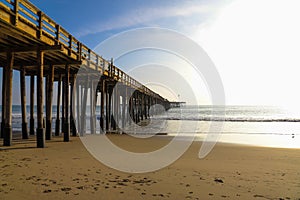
<point>252,125</point>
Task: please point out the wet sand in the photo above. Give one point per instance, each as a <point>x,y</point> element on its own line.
<point>68,171</point>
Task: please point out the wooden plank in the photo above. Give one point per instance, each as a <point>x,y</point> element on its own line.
<point>29,6</point>
<point>31,16</point>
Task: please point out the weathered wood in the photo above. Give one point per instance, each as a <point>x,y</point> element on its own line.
<point>107,118</point>
<point>102,105</point>
<point>23,104</point>
<point>72,107</point>
<point>31,105</point>
<point>92,108</point>
<point>57,122</point>
<point>7,132</point>
<point>32,49</point>
<point>40,131</point>
<point>3,100</point>
<point>63,105</point>
<point>83,108</point>
<point>78,95</point>
<point>66,98</point>
<point>109,107</point>
<point>124,96</point>
<point>50,80</point>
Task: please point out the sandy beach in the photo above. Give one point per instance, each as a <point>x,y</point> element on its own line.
<point>68,171</point>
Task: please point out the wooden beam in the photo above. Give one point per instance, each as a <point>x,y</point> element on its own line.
<point>59,47</point>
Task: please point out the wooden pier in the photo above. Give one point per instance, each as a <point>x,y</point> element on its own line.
<point>32,43</point>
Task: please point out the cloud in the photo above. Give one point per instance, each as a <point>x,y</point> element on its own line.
<point>146,16</point>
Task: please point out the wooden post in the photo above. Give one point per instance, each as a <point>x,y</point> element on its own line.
<point>63,105</point>
<point>92,108</point>
<point>23,104</point>
<point>102,105</point>
<point>136,107</point>
<point>3,100</point>
<point>114,116</point>
<point>7,130</point>
<point>124,107</point>
<point>142,106</point>
<point>107,107</point>
<point>145,106</point>
<point>78,105</point>
<point>57,123</point>
<point>50,80</point>
<point>83,108</point>
<point>131,111</point>
<point>40,131</point>
<point>149,105</point>
<point>66,98</point>
<point>31,131</point>
<point>73,93</point>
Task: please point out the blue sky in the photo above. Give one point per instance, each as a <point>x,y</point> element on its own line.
<point>254,44</point>
<point>96,20</point>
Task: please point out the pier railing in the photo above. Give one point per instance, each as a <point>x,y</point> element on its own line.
<point>28,18</point>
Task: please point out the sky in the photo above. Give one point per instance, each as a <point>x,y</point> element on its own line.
<point>254,44</point>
